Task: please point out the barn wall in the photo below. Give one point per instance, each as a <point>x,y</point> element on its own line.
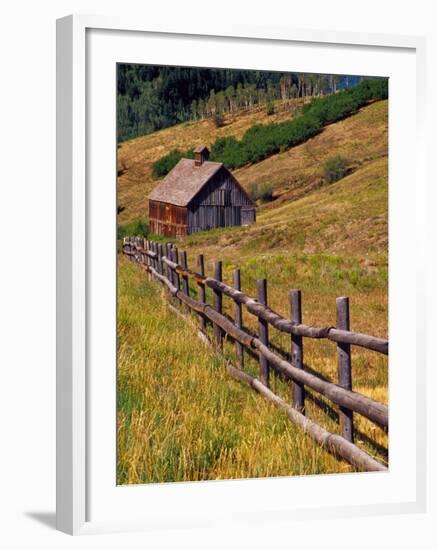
<point>248,215</point>
<point>167,220</point>
<point>218,204</point>
<point>221,190</point>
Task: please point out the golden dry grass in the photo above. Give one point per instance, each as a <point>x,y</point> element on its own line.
<point>136,156</point>
<point>327,240</point>
<point>348,217</point>
<point>180,416</point>
<point>361,138</point>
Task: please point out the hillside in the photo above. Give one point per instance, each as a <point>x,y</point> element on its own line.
<point>328,240</point>
<point>347,217</point>
<point>135,157</point>
<point>361,139</point>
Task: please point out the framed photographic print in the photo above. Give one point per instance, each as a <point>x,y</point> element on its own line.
<point>233,280</point>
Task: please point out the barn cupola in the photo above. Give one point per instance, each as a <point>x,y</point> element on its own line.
<point>201,154</point>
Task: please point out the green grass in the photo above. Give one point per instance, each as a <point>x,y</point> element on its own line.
<point>137,228</point>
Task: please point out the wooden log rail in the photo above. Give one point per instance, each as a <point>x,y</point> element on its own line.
<point>277,321</point>
<point>168,271</point>
<point>331,442</point>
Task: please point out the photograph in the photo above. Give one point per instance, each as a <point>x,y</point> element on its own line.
<point>222,335</point>
<point>252,273</point>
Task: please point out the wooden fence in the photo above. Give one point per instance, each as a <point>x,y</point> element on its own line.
<point>169,266</point>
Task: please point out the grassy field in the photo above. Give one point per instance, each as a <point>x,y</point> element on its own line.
<point>180,416</point>
<point>361,138</point>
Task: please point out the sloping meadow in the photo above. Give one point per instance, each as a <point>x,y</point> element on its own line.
<point>263,140</point>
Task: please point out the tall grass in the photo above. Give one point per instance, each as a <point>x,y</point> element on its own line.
<point>180,416</point>
<point>335,168</point>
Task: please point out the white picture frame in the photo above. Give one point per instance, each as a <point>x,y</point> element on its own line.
<point>75,236</point>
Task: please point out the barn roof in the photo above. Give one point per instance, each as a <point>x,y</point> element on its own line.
<point>201,148</point>
<point>182,183</point>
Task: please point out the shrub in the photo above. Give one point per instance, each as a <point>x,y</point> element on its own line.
<point>218,120</point>
<point>262,192</point>
<point>229,151</point>
<point>166,163</point>
<point>137,228</point>
<point>263,140</point>
<point>270,108</point>
<point>334,169</point>
<point>162,166</point>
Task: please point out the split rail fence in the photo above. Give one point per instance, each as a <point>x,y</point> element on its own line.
<point>169,266</point>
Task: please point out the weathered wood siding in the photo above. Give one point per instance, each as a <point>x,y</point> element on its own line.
<point>248,215</point>
<point>167,220</point>
<point>221,203</point>
<point>218,204</point>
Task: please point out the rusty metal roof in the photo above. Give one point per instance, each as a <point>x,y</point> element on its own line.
<point>182,183</point>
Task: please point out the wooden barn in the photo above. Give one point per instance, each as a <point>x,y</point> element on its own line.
<point>198,195</point>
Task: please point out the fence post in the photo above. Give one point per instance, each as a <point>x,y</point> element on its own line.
<point>140,245</point>
<point>146,249</point>
<point>167,270</point>
<point>184,264</point>
<point>149,258</point>
<point>126,245</point>
<point>137,249</point>
<point>175,258</point>
<point>218,303</point>
<point>134,257</point>
<point>146,258</point>
<point>160,264</point>
<point>201,292</point>
<point>137,246</point>
<point>238,319</point>
<point>157,266</point>
<point>298,390</point>
<point>344,368</point>
<point>168,255</point>
<point>263,333</point>
<point>156,257</point>
<point>152,249</point>
<point>131,248</point>
<point>141,255</point>
<point>176,261</point>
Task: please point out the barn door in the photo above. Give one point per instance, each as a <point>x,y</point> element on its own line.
<point>221,213</point>
<point>248,215</point>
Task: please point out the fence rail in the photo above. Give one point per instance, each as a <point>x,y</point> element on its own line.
<point>170,267</point>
